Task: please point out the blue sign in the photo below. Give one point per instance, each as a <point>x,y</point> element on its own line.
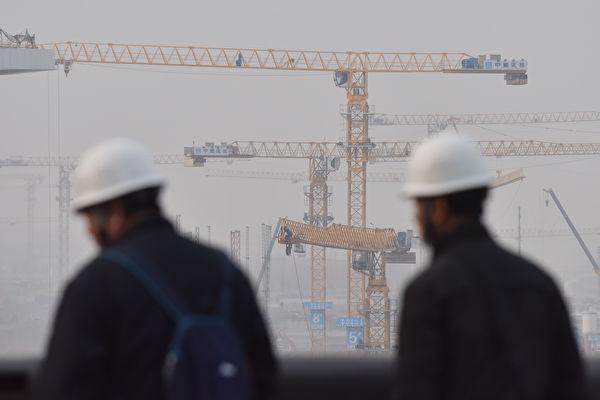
<point>353,321</point>
<point>317,319</point>
<point>355,337</point>
<point>318,305</point>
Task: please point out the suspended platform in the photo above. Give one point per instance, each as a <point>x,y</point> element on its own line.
<point>337,236</point>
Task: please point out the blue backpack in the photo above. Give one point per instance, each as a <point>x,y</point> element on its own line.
<point>206,359</point>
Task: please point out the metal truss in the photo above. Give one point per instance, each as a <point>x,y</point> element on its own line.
<point>235,247</point>
<point>527,148</point>
<point>397,151</point>
<point>357,155</point>
<point>337,236</point>
<point>318,196</point>
<point>64,217</point>
<point>266,234</point>
<point>377,306</point>
<point>483,119</point>
<point>23,40</point>
<point>265,59</point>
<point>286,149</point>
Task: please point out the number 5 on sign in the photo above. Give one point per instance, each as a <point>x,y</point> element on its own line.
<point>354,337</point>
<point>317,319</point>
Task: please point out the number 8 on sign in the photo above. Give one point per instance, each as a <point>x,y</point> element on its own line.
<point>317,319</point>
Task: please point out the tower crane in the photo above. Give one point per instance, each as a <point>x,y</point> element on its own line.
<point>31,183</point>
<point>438,122</point>
<point>65,166</point>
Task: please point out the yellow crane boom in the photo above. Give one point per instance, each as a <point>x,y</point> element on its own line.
<point>254,58</point>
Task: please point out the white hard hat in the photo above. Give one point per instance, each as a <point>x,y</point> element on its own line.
<point>446,164</point>
<point>113,169</point>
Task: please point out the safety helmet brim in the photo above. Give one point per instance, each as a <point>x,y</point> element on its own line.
<point>417,190</point>
<point>93,199</point>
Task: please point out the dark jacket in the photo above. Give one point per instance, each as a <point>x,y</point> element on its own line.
<point>110,336</point>
<point>482,323</point>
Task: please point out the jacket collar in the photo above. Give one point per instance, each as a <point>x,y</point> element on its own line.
<point>466,232</point>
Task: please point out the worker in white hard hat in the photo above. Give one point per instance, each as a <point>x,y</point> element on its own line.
<point>117,184</point>
<point>479,322</point>
<point>114,328</point>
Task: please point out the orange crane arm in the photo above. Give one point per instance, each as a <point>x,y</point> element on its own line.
<point>396,151</point>
<point>483,119</point>
<point>265,59</point>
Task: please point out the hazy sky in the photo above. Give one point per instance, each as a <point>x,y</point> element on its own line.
<point>168,108</point>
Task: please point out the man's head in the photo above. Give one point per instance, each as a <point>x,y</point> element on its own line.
<point>116,184</point>
<point>448,179</point>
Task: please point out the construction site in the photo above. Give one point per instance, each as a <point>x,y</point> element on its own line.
<point>292,161</point>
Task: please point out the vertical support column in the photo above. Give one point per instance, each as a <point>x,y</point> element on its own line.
<point>248,250</point>
<point>208,232</point>
<point>266,240</point>
<point>357,152</point>
<point>197,234</point>
<point>318,215</point>
<point>235,247</point>
<point>64,213</point>
<point>377,306</point>
<point>31,182</point>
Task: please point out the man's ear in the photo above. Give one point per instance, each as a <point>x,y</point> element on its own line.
<point>440,211</point>
<point>116,214</point>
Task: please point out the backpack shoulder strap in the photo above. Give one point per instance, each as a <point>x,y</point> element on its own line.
<point>149,282</point>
